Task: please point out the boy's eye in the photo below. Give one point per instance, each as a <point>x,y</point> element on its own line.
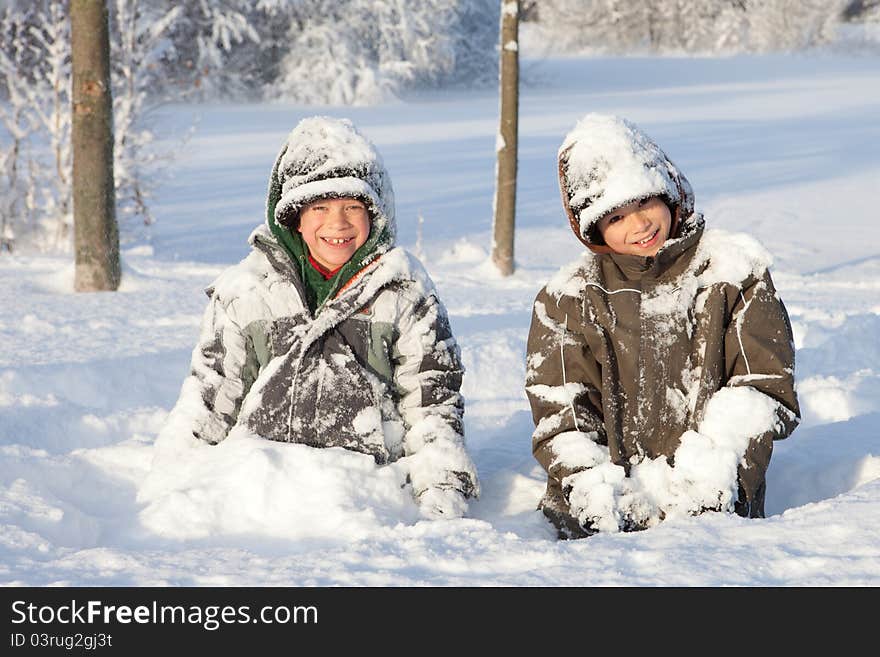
<point>614,219</point>
<point>355,208</point>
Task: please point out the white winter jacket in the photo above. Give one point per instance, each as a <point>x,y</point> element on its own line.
<point>374,369</point>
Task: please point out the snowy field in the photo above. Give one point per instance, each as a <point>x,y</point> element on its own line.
<point>785,148</point>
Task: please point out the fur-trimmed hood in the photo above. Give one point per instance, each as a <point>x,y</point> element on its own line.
<point>324,157</point>
<point>606,162</point>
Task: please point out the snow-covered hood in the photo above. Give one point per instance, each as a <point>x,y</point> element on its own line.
<point>606,162</point>
<point>326,157</point>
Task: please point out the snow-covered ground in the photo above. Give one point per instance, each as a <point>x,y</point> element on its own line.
<point>785,148</point>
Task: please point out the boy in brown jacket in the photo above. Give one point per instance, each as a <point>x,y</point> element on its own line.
<point>661,364</point>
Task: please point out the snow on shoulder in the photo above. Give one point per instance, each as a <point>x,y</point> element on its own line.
<point>721,257</point>
<point>732,257</point>
<point>573,278</point>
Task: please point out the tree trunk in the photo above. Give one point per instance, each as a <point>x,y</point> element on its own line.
<point>94,202</point>
<point>505,182</point>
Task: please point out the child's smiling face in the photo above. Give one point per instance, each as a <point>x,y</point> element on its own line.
<point>637,228</point>
<point>333,229</point>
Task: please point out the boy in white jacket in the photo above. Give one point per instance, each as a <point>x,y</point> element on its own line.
<point>326,334</point>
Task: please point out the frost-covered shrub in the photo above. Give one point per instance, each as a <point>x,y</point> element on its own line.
<point>708,26</point>
<point>211,46</point>
<point>366,51</point>
<point>138,41</point>
<point>15,128</point>
<point>793,24</point>
<point>860,29</point>
<point>35,99</point>
<point>327,51</point>
<point>35,188</point>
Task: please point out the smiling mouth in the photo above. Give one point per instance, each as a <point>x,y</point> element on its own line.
<point>337,241</point>
<point>648,240</point>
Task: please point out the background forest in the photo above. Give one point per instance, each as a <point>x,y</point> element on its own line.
<point>325,52</point>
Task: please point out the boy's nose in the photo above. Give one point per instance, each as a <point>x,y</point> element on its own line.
<point>640,220</point>
<point>337,216</point>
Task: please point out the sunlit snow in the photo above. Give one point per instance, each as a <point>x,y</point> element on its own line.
<point>781,148</point>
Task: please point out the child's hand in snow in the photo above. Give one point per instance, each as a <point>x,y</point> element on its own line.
<point>603,498</point>
<point>704,477</point>
<point>438,503</point>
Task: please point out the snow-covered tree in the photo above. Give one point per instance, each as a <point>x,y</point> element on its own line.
<point>17,124</point>
<point>862,11</point>
<point>792,24</point>
<point>138,42</point>
<point>619,26</point>
<point>35,99</point>
<point>365,51</point>
<point>35,111</point>
<point>475,27</point>
<point>860,28</point>
<point>51,104</point>
<point>203,58</point>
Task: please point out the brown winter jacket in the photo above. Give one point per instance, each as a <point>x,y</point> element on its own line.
<point>633,348</point>
<point>648,372</point>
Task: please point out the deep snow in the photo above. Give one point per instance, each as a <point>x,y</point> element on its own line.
<point>784,148</point>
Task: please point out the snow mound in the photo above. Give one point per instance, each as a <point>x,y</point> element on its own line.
<point>252,486</point>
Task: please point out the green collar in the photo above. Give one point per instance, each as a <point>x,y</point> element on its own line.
<point>318,290</point>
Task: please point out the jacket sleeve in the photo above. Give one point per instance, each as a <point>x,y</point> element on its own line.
<point>428,374</point>
<point>212,394</point>
<point>569,431</point>
<point>759,355</point>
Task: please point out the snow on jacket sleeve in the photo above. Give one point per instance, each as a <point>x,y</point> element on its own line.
<point>734,441</point>
<point>428,373</point>
<point>760,357</point>
<point>220,377</point>
<point>569,432</point>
